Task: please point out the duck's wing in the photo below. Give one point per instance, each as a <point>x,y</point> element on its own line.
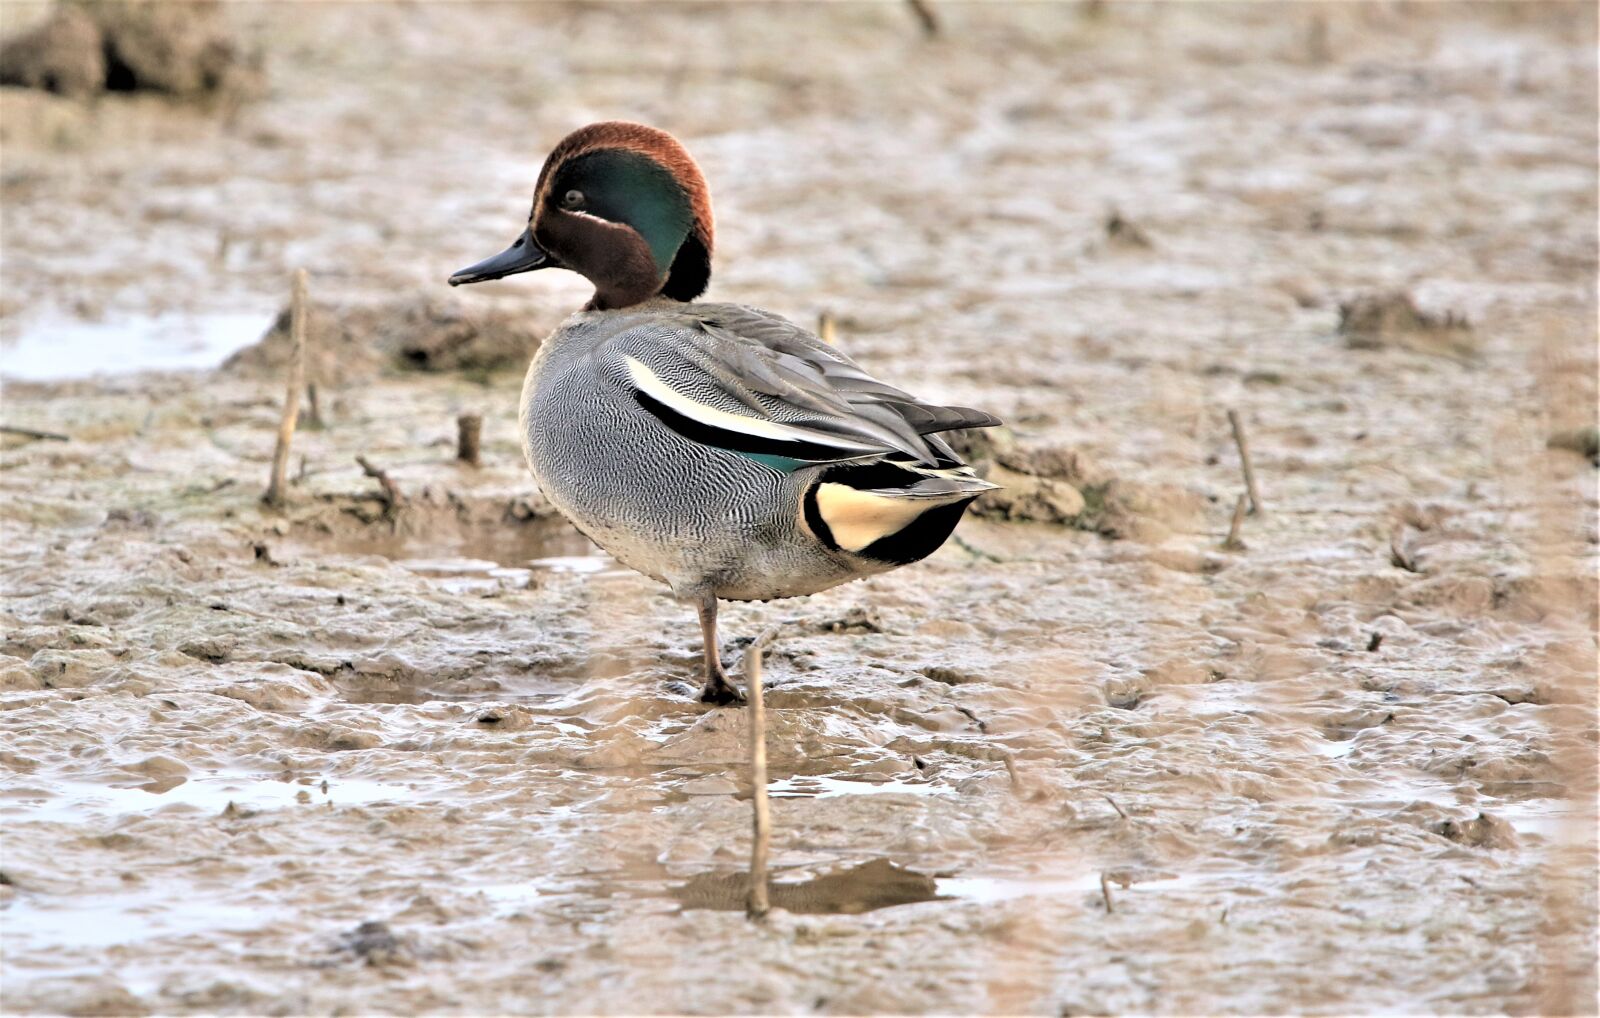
<point>751,382</point>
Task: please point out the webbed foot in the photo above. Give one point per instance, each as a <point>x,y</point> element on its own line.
<point>719,692</point>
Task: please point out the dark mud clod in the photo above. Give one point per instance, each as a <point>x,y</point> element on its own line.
<point>949,676</point>
<point>1124,232</point>
<point>855,620</point>
<point>1482,831</point>
<point>376,944</point>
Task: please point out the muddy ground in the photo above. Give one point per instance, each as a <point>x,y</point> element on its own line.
<point>438,756</point>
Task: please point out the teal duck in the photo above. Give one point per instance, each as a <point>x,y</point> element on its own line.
<point>717,448</point>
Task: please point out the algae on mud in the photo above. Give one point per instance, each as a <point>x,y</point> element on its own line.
<point>1335,784</point>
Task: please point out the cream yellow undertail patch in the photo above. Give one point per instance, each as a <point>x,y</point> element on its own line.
<point>857,518</point>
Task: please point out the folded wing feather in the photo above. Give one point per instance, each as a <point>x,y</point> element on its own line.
<point>740,379</point>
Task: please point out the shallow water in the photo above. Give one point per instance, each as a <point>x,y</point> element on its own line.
<point>821,787</point>
<point>54,349</point>
<point>79,802</point>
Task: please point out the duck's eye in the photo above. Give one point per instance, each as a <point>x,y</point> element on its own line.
<point>572,199</point>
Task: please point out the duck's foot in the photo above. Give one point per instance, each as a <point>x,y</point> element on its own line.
<point>721,693</point>
<point>717,690</point>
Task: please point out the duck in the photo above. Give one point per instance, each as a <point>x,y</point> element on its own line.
<point>718,448</point>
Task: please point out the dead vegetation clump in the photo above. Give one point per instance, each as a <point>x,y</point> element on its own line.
<point>64,55</point>
<point>1376,321</point>
<point>1583,441</point>
<point>354,342</point>
<point>86,47</point>
<point>1063,486</point>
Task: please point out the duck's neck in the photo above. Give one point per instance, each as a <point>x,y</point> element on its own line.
<point>611,298</point>
<point>631,275</point>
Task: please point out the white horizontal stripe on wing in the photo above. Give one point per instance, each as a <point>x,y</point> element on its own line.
<point>712,417</point>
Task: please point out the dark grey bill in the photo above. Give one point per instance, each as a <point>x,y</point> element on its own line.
<point>522,256</point>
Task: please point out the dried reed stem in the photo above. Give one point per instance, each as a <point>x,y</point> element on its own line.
<point>291,401</point>
<point>1233,542</point>
<point>925,17</point>
<point>313,419</point>
<point>50,436</point>
<point>756,904</point>
<point>825,329</point>
<point>392,495</point>
<point>1243,443</point>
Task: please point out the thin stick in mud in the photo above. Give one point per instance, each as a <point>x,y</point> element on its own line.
<point>43,436</point>
<point>313,408</point>
<point>826,330</point>
<point>756,904</point>
<point>392,496</point>
<point>1256,508</point>
<point>276,483</point>
<point>469,438</point>
<point>1233,542</point>
<point>925,16</point>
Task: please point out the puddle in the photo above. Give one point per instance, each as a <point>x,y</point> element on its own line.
<point>75,801</point>
<point>882,884</point>
<point>827,788</point>
<point>864,888</point>
<point>56,349</point>
<point>594,562</point>
<point>509,899</point>
<point>468,575</point>
<point>1333,750</point>
<point>989,890</point>
<point>483,560</point>
<point>1553,821</point>
<point>37,921</point>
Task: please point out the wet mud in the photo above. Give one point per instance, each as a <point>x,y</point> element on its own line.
<point>434,753</point>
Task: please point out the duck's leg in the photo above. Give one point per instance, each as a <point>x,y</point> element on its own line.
<point>718,689</point>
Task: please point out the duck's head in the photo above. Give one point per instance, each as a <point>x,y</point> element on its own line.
<point>621,204</point>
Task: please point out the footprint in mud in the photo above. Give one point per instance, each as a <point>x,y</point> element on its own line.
<point>864,888</point>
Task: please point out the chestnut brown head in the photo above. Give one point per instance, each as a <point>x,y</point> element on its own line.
<point>623,205</point>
